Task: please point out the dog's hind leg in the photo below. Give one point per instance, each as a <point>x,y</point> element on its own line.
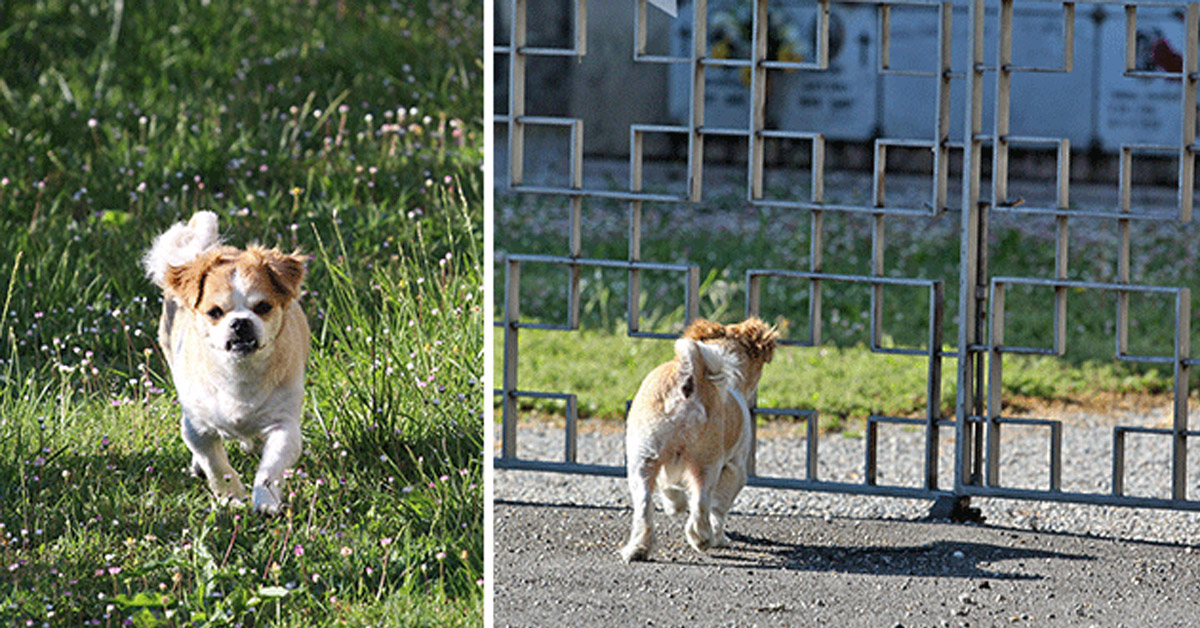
<point>702,483</point>
<point>733,478</point>
<point>641,475</point>
<point>674,499</point>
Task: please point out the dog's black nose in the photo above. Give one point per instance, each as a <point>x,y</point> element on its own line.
<point>244,339</point>
<point>242,327</point>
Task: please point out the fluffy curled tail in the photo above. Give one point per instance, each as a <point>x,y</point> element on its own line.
<point>699,360</point>
<point>181,244</point>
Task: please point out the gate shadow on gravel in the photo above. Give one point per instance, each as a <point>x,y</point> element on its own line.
<point>943,559</point>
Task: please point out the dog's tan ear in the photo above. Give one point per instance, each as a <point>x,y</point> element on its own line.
<point>184,282</point>
<point>756,336</point>
<point>187,281</point>
<point>286,271</point>
<point>703,329</point>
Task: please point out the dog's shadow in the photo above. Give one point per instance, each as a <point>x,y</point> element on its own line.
<point>945,559</point>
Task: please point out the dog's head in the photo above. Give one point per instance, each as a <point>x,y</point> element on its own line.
<point>242,295</point>
<point>752,340</point>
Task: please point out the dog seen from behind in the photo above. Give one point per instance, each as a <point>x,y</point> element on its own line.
<point>689,431</point>
<point>236,341</point>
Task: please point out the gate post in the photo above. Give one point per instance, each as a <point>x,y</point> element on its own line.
<point>971,288</point>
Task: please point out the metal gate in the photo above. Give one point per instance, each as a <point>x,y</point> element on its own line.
<point>980,344</point>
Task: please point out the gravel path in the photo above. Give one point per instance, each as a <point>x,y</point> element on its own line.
<point>802,558</point>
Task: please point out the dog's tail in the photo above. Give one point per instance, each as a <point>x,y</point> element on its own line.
<point>699,360</point>
<point>181,244</point>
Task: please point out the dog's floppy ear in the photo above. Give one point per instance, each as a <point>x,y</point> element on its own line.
<point>702,329</point>
<point>285,271</point>
<point>187,281</point>
<point>756,337</point>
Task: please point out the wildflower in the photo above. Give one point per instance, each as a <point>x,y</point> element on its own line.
<point>93,123</point>
<point>346,551</point>
<point>298,550</point>
<point>385,541</point>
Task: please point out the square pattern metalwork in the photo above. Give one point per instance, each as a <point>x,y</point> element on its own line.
<point>980,344</point>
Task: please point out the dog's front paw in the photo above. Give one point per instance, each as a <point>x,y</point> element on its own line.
<point>231,499</point>
<point>265,502</point>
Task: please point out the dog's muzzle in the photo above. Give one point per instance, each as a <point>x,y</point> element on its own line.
<point>244,340</point>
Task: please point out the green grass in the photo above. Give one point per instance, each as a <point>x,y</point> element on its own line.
<point>844,384</point>
<point>348,130</point>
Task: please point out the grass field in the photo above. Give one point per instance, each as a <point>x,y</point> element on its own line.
<point>349,130</point>
<point>842,378</point>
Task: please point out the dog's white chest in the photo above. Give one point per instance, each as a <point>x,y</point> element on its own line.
<point>239,409</point>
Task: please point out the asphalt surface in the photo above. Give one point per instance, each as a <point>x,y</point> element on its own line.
<point>556,565</point>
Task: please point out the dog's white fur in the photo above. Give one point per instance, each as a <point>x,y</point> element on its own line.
<point>688,434</point>
<point>237,341</point>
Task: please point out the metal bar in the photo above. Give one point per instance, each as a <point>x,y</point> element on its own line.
<point>580,28</point>
<point>639,30</point>
<point>871,440</point>
<point>1076,213</point>
<point>1056,456</point>
<point>1130,38</point>
<point>516,95</point>
<point>941,149</point>
<point>866,279</point>
<point>758,99</point>
<point>753,296</point>
<point>970,252</point>
<point>995,384</point>
<point>816,263</point>
<point>696,106</point>
<point>1183,335</point>
<point>726,63</point>
<point>818,169</point>
<point>692,294</point>
<point>933,385</point>
<point>877,181</point>
<point>884,13</point>
<point>575,242</point>
<point>614,195</point>
<point>633,300</point>
<point>1187,155</point>
<point>1118,465</point>
<point>602,263</point>
<point>877,246</point>
<point>1003,96</point>
<point>512,314</point>
<point>571,431</point>
<point>812,431</point>
<point>860,209</point>
<point>1093,285</point>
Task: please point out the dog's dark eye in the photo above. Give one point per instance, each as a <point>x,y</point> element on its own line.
<point>216,313</point>
<point>262,308</point>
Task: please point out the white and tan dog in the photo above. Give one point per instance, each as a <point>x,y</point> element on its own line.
<point>689,431</point>
<point>236,341</point>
